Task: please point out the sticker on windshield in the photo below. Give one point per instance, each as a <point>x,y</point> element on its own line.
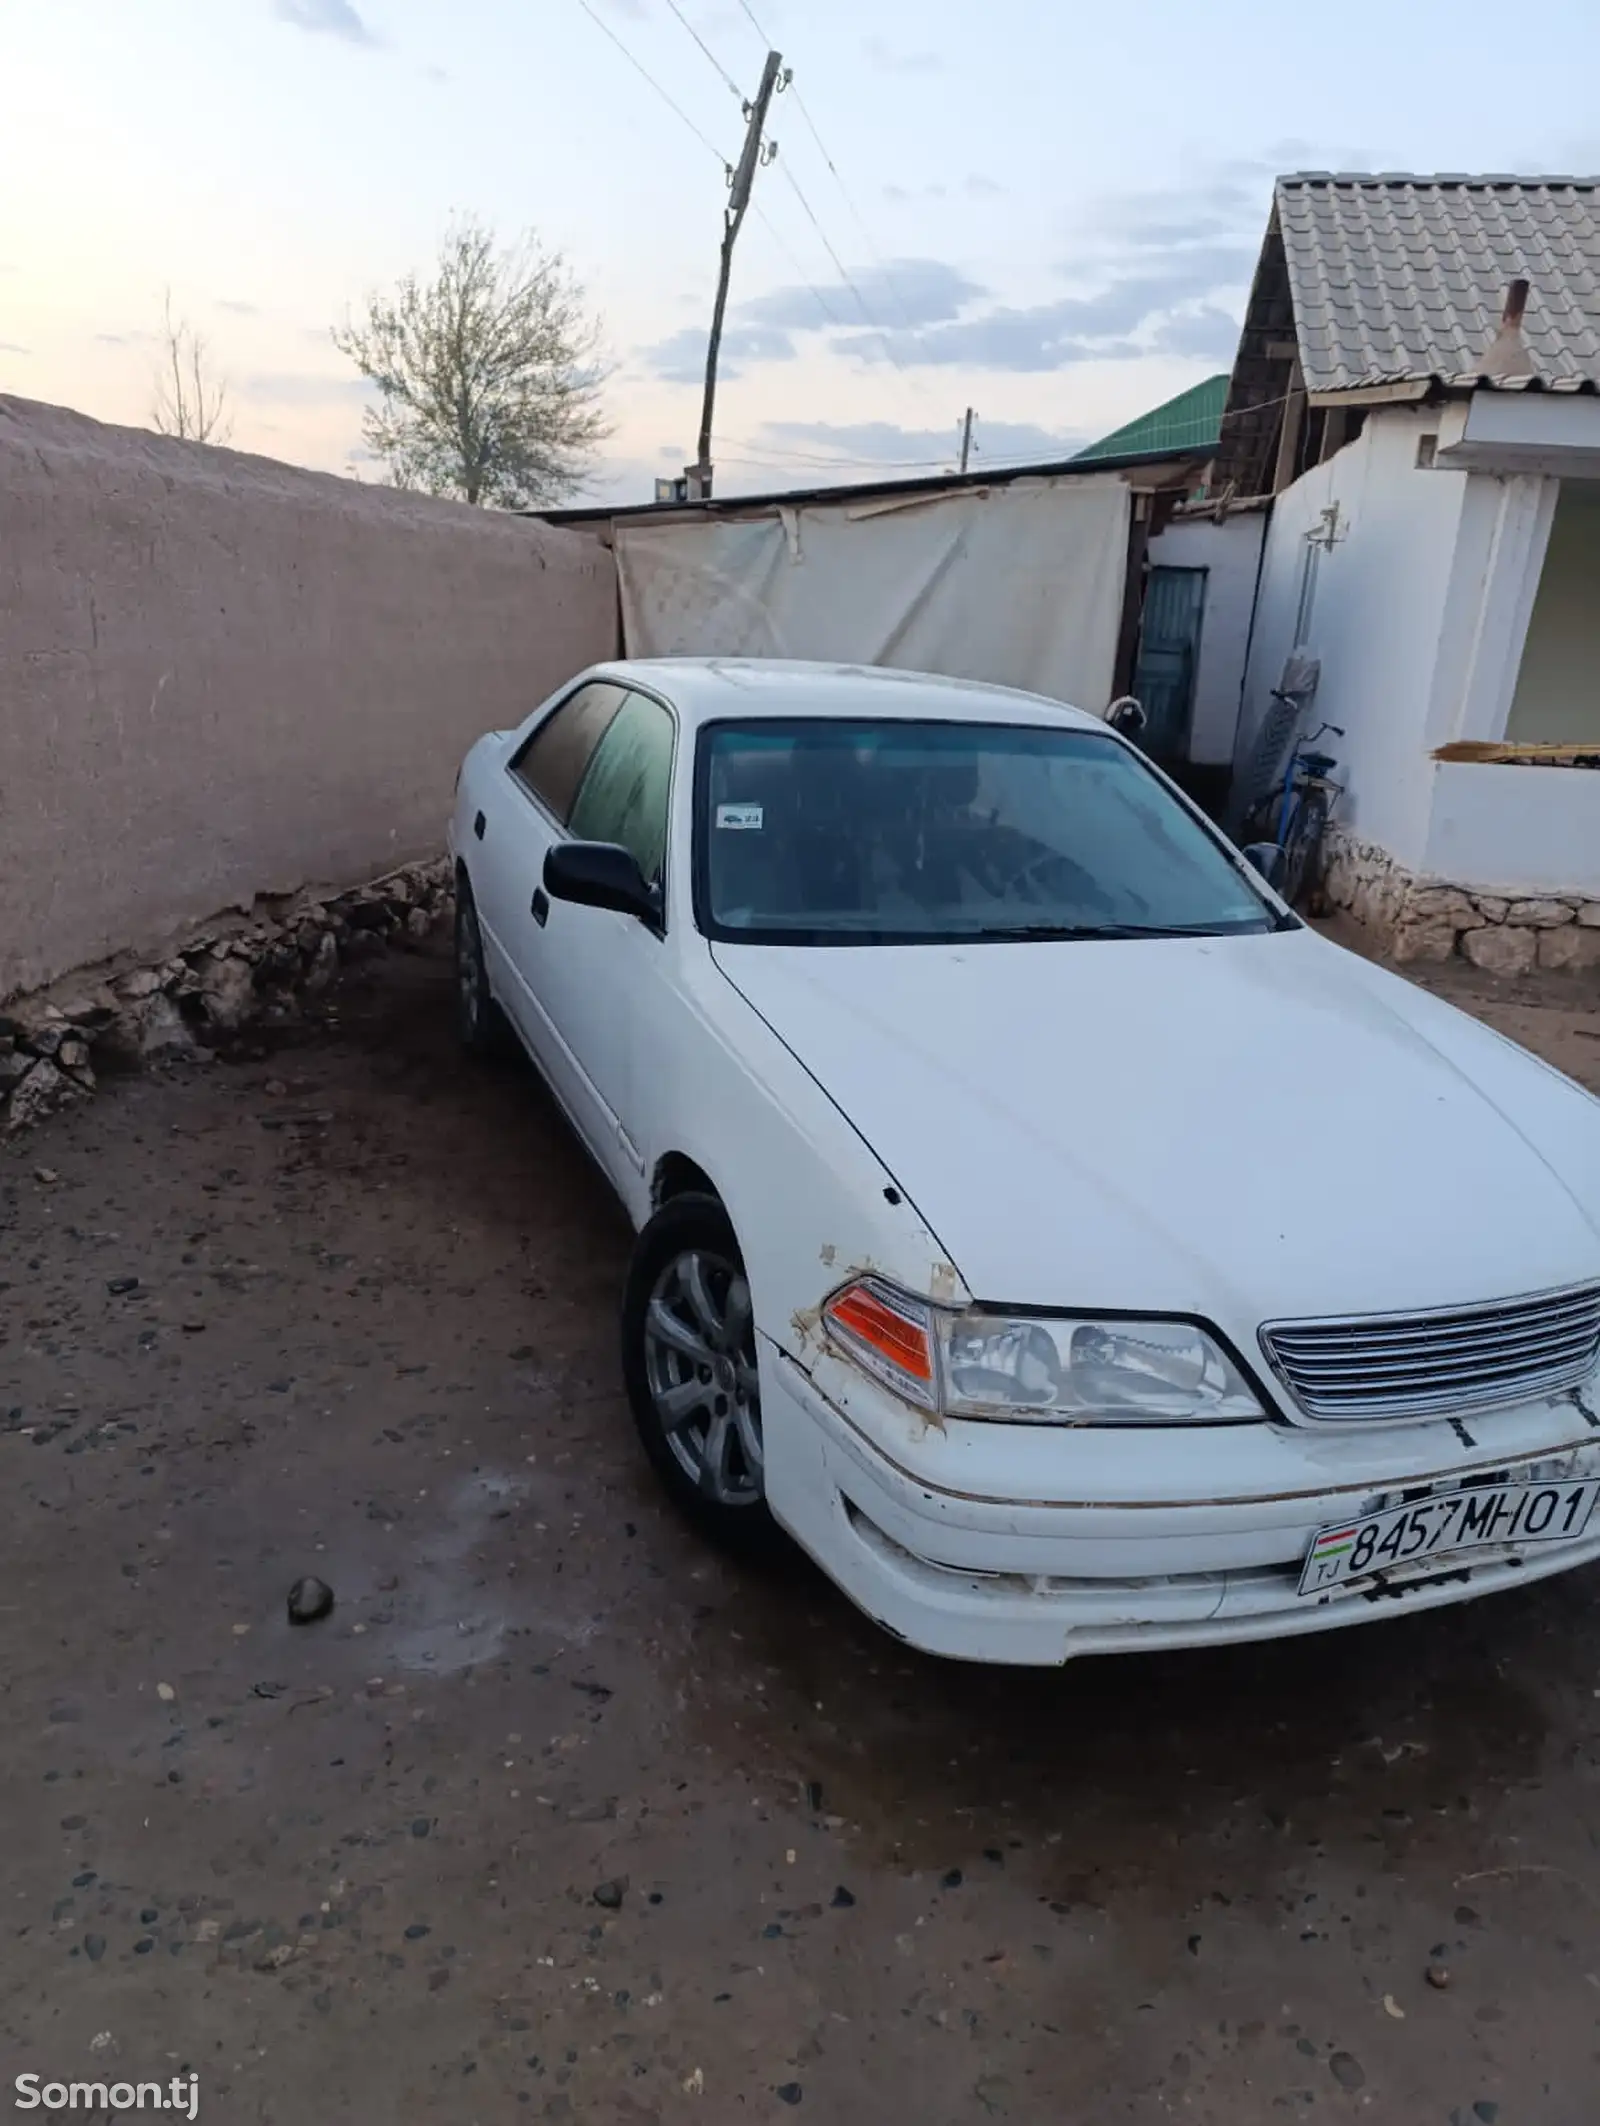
<point>738,815</point>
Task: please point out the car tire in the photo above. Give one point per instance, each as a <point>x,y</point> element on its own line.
<point>480,1024</point>
<point>689,1363</point>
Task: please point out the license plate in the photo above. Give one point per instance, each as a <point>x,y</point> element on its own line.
<point>1429,1533</point>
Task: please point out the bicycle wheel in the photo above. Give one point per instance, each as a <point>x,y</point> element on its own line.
<point>1302,843</point>
<point>1260,822</point>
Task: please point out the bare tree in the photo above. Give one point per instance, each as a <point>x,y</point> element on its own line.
<point>189,399</point>
<point>488,374</point>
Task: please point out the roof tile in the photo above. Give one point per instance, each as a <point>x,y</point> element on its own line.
<point>1399,279</point>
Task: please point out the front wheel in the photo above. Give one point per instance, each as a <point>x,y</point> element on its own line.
<point>689,1362</point>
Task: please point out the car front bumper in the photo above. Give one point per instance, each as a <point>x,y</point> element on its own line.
<point>1016,1567</point>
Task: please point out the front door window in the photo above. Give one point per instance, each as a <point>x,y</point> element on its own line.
<point>624,794</point>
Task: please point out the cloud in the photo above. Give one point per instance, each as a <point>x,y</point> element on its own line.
<point>891,61</point>
<point>682,358</point>
<point>329,18</point>
<point>11,347</point>
<point>1126,317</point>
<point>1206,334</point>
<point>1156,272</point>
<point>298,388</point>
<point>239,309</point>
<point>975,186</point>
<point>912,291</point>
<point>1145,273</point>
<point>125,339</point>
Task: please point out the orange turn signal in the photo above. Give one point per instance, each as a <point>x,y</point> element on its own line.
<point>867,1319</point>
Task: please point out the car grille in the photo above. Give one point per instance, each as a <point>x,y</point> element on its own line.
<point>1427,1365</point>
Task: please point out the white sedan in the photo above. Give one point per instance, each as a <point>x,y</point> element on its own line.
<point>1064,1244</point>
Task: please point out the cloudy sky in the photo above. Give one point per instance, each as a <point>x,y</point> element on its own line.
<point>1043,210</point>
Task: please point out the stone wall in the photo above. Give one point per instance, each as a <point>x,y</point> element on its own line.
<point>1434,919</point>
<point>221,677</point>
<point>249,970</point>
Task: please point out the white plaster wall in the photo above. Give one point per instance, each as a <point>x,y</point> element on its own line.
<point>1529,830</point>
<point>1229,553</point>
<point>1558,685</point>
<point>1377,619</point>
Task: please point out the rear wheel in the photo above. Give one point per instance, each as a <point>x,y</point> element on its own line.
<point>480,1028</point>
<point>689,1361</point>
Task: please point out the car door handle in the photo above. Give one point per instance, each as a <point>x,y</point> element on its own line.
<point>540,906</point>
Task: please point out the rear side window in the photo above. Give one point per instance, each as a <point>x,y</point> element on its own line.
<point>551,762</point>
<point>626,793</point>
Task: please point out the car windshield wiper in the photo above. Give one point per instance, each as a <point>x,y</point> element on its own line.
<point>999,934</point>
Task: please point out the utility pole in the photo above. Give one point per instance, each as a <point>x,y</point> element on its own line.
<point>750,160</point>
<point>966,438</point>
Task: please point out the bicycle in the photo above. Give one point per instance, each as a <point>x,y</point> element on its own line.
<point>1303,806</point>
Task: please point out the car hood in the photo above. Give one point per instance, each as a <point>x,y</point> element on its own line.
<point>1239,1127</point>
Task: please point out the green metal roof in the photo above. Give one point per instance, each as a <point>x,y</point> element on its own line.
<point>1191,421</point>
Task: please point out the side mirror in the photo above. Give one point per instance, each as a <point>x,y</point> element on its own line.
<point>1266,858</point>
<point>600,875</point>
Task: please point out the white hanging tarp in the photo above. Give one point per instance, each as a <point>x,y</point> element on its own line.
<point>1019,584</point>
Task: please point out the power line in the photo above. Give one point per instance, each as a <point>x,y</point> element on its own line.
<point>811,215</point>
<point>772,228</point>
<point>811,125</point>
<point>856,472</point>
<point>849,199</point>
<point>640,68</point>
<point>777,458</point>
<point>839,264</point>
<point>793,257</point>
<point>728,79</point>
<point>775,454</point>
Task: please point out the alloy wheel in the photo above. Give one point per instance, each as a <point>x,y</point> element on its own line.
<point>700,1366</point>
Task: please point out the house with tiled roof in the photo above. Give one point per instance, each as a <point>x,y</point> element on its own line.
<point>1417,392</point>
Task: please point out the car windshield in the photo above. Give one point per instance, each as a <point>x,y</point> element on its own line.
<point>898,832</point>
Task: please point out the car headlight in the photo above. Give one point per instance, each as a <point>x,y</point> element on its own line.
<point>1035,1369</point>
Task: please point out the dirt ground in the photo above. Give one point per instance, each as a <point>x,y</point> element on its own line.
<point>557,1816</point>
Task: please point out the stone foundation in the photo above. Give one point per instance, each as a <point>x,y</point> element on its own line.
<point>1434,919</point>
<point>249,970</point>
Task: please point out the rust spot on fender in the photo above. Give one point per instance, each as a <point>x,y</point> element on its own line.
<point>806,1322</point>
<point>944,1283</point>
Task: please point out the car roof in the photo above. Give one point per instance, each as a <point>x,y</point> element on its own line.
<point>707,689</point>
